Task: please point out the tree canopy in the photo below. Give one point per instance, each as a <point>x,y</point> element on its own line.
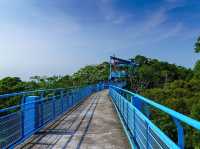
<point>174,86</point>
<point>197,45</point>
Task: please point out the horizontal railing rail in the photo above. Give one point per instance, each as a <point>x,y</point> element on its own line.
<point>19,122</point>
<point>132,109</point>
<point>192,122</point>
<point>4,96</point>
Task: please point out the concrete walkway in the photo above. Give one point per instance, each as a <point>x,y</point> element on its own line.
<point>92,125</point>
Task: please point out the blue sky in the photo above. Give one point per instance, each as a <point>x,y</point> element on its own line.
<point>52,37</point>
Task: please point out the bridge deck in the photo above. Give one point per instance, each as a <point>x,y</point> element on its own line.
<point>94,124</point>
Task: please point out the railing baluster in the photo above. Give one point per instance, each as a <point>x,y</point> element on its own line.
<point>146,130</point>
<point>35,113</point>
<point>22,115</point>
<point>147,135</point>
<point>180,132</point>
<point>42,114</point>
<point>62,101</point>
<point>127,114</point>
<point>54,107</point>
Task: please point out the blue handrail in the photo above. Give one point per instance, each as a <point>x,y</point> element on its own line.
<point>136,104</point>
<point>192,122</point>
<point>19,122</point>
<point>4,96</point>
<point>27,92</point>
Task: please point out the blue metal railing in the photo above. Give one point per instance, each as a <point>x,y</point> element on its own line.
<point>38,108</point>
<point>19,122</point>
<point>142,133</point>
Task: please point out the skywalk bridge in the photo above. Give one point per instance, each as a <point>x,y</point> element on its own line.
<point>96,116</point>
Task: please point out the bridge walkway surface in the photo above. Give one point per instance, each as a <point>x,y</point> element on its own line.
<point>92,124</point>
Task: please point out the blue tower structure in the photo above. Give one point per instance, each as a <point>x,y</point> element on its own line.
<point>119,70</point>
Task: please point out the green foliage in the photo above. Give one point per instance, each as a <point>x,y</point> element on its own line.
<point>197,46</point>
<point>9,84</point>
<point>197,70</point>
<point>141,60</point>
<point>182,96</point>
<point>173,86</point>
<point>88,75</point>
<point>44,81</point>
<point>152,73</point>
<point>64,82</point>
<point>91,74</point>
<point>195,111</point>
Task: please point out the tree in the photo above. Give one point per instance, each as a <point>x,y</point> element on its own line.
<point>64,82</point>
<point>11,84</point>
<point>140,60</point>
<point>91,74</point>
<point>197,45</point>
<point>197,70</point>
<point>196,114</point>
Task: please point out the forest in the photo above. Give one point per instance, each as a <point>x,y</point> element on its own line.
<point>174,86</point>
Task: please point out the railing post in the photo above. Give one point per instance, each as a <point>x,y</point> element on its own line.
<point>54,106</point>
<point>62,98</point>
<point>22,115</point>
<point>137,103</point>
<point>132,100</point>
<point>68,100</point>
<point>134,124</point>
<point>72,98</point>
<point>127,113</point>
<point>134,115</point>
<point>41,121</point>
<point>180,132</point>
<point>29,114</point>
<point>147,133</point>
<point>147,111</point>
<point>42,94</point>
<point>122,105</point>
